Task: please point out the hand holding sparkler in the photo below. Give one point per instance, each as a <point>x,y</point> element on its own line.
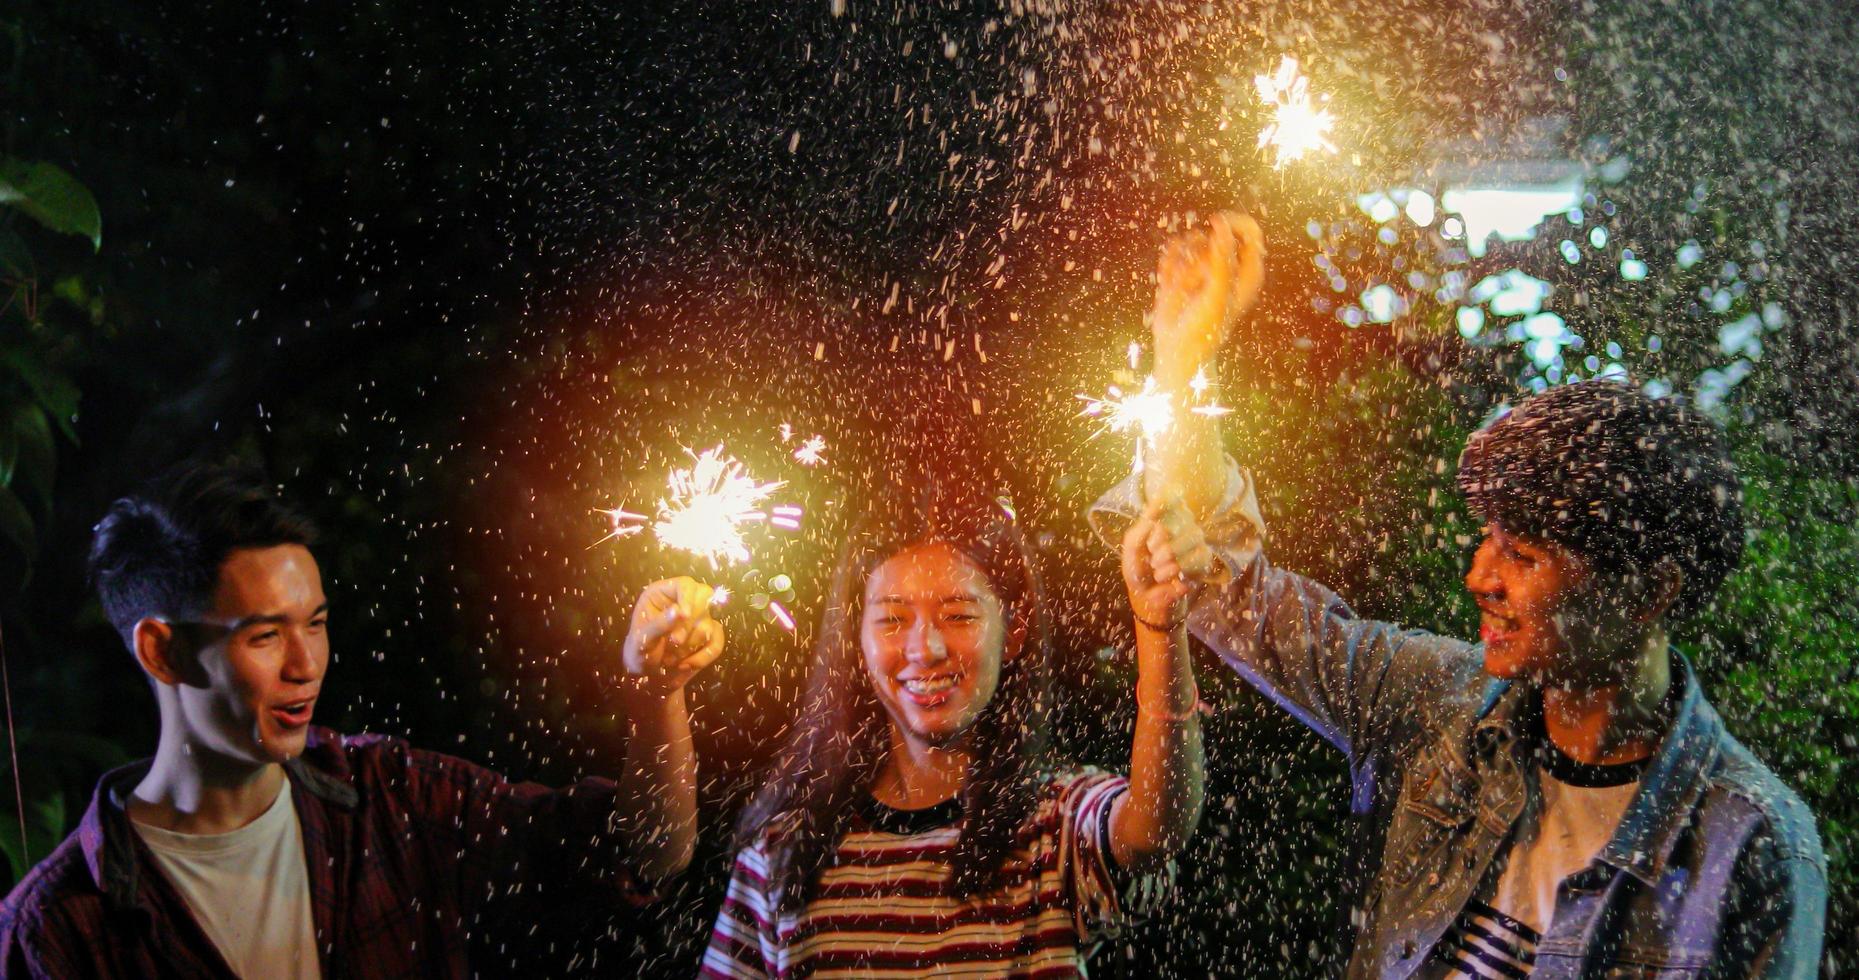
<point>672,635</point>
<point>1205,281</point>
<point>1164,555</point>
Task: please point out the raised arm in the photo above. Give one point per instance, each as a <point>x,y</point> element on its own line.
<point>1206,281</point>
<point>1353,680</point>
<point>1154,819</point>
<point>672,637</point>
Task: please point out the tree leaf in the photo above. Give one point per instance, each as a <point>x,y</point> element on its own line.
<point>55,392</point>
<point>9,452</point>
<point>15,258</point>
<point>16,525</point>
<point>52,197</point>
<point>36,465</point>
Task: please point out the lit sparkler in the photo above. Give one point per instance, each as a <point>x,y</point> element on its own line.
<point>709,502</point>
<point>1148,411</point>
<point>812,452</point>
<point>1297,127</point>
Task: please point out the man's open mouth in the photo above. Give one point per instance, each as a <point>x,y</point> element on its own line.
<point>294,714</point>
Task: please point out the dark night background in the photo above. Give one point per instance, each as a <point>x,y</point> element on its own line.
<point>458,277</point>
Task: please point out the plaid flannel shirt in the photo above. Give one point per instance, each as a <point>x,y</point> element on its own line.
<point>410,854</point>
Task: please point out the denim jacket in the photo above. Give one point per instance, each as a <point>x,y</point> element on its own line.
<point>1715,869</point>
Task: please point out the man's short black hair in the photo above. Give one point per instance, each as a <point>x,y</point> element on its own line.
<point>1624,479</point>
<point>158,553</point>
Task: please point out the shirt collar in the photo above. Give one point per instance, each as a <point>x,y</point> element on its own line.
<point>1673,780</point>
<point>110,845</point>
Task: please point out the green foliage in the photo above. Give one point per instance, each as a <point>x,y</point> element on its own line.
<point>1778,649</point>
<point>59,765</point>
<point>36,396</point>
<point>39,403</point>
<point>51,197</point>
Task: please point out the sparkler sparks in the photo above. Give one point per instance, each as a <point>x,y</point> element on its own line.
<point>624,522</point>
<point>1148,411</point>
<point>1297,126</point>
<point>812,452</point>
<point>1199,385</point>
<point>710,501</point>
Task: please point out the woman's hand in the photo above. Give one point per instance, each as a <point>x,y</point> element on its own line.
<point>1164,554</point>
<point>1205,281</point>
<point>672,635</point>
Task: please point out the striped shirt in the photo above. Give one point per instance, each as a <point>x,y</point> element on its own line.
<point>1570,818</point>
<point>1488,945</point>
<point>884,907</point>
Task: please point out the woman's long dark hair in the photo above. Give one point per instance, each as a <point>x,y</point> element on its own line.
<point>841,738</point>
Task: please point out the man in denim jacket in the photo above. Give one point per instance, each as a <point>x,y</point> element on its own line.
<point>1559,800</point>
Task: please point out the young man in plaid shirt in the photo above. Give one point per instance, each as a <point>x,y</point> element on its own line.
<point>256,844</point>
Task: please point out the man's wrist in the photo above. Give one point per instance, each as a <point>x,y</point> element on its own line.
<point>1174,376</point>
<point>641,689</point>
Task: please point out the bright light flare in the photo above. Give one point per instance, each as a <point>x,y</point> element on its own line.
<point>812,452</point>
<point>1148,411</point>
<point>1298,126</point>
<point>709,503</point>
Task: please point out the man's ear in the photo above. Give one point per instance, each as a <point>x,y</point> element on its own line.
<point>155,645</point>
<point>1662,584</point>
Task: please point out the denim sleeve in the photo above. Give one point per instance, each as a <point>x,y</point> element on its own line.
<point>1775,922</point>
<point>1355,681</point>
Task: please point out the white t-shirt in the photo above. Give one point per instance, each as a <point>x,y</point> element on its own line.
<point>248,889</point>
<point>1578,808</point>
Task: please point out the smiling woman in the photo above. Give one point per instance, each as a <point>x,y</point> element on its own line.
<point>914,819</point>
<point>934,637</point>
